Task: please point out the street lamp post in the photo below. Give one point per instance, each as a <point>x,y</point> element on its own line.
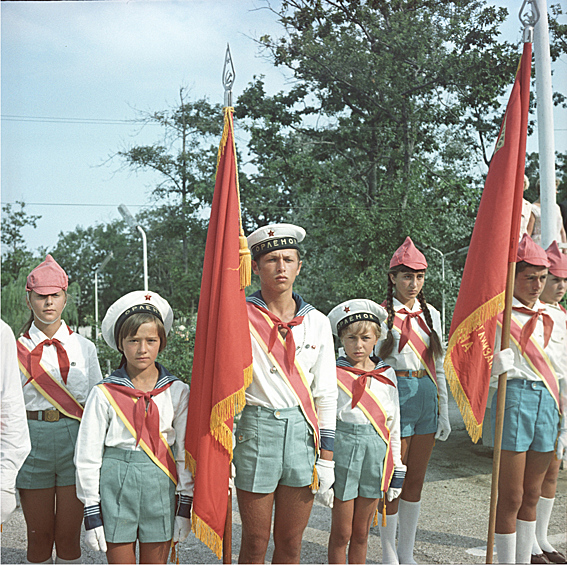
<point>98,270</point>
<point>443,255</point>
<point>134,225</point>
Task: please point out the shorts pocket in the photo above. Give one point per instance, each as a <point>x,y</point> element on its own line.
<point>243,435</point>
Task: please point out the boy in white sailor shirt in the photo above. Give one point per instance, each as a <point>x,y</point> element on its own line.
<point>290,405</point>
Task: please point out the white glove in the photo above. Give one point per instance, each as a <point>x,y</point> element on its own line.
<point>8,504</point>
<point>560,451</point>
<point>325,499</point>
<point>393,493</point>
<point>231,477</point>
<point>502,362</point>
<point>326,473</point>
<point>181,528</point>
<point>95,539</point>
<point>443,424</point>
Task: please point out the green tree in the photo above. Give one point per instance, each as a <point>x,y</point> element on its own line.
<point>393,111</point>
<point>185,159</point>
<point>14,250</point>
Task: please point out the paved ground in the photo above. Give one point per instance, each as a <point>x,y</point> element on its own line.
<point>452,528</point>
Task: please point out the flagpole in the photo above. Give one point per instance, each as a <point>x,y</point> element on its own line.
<point>529,19</point>
<point>500,405</point>
<point>228,76</point>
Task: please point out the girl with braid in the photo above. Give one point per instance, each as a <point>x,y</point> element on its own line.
<point>413,349</point>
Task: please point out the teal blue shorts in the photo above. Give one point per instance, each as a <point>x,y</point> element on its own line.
<point>273,447</point>
<point>137,498</point>
<point>531,418</point>
<point>418,406</point>
<point>359,461</point>
<point>50,462</point>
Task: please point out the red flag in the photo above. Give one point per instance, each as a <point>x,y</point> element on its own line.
<point>493,245</point>
<point>222,363</point>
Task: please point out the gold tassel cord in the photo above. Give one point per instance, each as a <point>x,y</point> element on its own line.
<point>315,482</point>
<point>245,262</point>
<point>383,511</point>
<point>174,556</point>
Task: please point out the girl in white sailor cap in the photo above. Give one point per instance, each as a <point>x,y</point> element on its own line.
<point>284,439</point>
<point>367,453</point>
<point>413,349</point>
<point>58,368</point>
<point>130,454</point>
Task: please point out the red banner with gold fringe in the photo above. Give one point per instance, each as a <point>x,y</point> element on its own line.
<point>222,362</point>
<point>494,244</point>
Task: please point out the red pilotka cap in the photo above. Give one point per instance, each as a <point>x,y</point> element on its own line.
<point>47,278</point>
<point>531,253</point>
<point>558,261</point>
<point>409,255</point>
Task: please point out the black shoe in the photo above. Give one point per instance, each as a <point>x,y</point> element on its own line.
<point>555,557</point>
<point>539,558</point>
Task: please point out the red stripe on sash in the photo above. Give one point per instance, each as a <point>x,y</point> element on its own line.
<point>536,358</point>
<point>376,414</point>
<point>47,385</point>
<point>124,404</point>
<point>419,347</point>
<point>261,328</point>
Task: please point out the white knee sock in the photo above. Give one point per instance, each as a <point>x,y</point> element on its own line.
<point>543,515</point>
<point>59,560</point>
<point>525,535</point>
<point>408,514</point>
<point>50,560</point>
<point>388,540</point>
<point>505,547</point>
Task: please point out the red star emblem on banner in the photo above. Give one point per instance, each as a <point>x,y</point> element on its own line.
<point>148,297</point>
<point>347,309</point>
<point>271,233</point>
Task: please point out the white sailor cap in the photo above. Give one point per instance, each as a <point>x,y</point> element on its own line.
<point>273,237</point>
<point>356,310</point>
<point>137,302</point>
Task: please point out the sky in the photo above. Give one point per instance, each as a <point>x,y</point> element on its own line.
<point>74,73</point>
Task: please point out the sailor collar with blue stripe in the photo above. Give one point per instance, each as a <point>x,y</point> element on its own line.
<point>343,362</point>
<point>120,377</point>
<point>301,309</point>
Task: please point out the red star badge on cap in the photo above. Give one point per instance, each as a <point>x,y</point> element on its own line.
<point>271,233</point>
<point>347,309</point>
<point>148,297</point>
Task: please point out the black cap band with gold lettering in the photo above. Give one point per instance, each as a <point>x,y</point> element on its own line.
<point>358,317</point>
<point>273,244</point>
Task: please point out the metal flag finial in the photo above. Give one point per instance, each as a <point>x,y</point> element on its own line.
<point>228,76</point>
<point>529,16</point>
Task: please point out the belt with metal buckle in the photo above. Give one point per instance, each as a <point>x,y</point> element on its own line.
<point>45,415</point>
<point>417,373</point>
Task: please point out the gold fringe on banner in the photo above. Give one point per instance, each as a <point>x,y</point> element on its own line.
<point>228,408</point>
<point>190,463</point>
<point>207,535</point>
<point>375,520</point>
<point>482,314</point>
